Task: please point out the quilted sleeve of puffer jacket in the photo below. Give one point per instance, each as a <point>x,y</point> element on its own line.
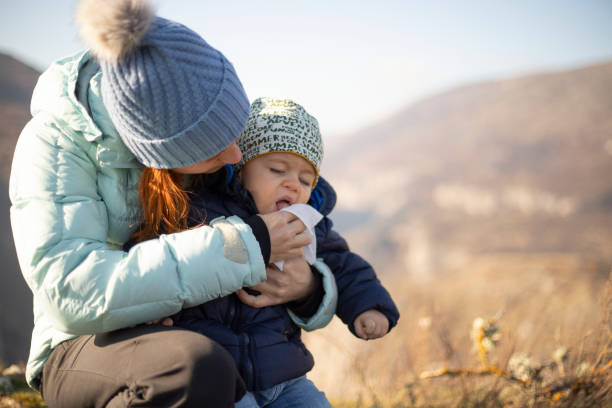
<point>359,289</point>
<point>60,226</point>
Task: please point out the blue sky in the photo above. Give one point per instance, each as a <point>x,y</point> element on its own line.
<point>354,63</point>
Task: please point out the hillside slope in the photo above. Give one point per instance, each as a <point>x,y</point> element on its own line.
<point>521,164</point>
<point>16,84</point>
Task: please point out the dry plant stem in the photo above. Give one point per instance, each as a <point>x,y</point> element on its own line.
<point>553,393</point>
<point>485,371</point>
<point>602,354</point>
<point>583,383</point>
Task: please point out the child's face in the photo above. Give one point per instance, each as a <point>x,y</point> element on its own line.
<point>277,180</point>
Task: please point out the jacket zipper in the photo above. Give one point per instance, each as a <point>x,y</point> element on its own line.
<point>246,341</point>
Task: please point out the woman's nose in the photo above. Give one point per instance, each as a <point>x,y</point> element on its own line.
<point>231,154</point>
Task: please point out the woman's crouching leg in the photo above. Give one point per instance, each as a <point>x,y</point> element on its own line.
<point>152,366</point>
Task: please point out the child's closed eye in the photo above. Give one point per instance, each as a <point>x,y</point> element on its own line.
<point>306,183</point>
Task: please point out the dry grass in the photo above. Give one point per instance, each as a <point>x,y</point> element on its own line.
<point>543,339</point>
<point>14,392</point>
<point>22,399</point>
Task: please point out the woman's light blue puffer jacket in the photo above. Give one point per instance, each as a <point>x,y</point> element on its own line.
<point>73,190</point>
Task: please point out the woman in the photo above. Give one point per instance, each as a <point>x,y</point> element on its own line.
<point>158,95</point>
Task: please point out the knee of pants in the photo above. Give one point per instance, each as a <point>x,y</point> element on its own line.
<point>211,369</point>
<point>205,356</point>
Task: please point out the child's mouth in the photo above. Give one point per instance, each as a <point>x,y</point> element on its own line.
<point>280,204</point>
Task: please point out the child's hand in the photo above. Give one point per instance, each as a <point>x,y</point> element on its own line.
<point>371,324</point>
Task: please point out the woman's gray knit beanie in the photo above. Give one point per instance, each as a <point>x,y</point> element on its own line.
<point>173,98</point>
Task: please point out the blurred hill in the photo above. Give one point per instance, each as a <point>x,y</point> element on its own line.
<point>16,84</point>
<point>521,164</point>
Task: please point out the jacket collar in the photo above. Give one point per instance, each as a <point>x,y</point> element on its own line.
<point>55,94</point>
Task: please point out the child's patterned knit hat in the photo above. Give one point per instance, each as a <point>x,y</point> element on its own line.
<point>174,100</point>
<point>281,125</point>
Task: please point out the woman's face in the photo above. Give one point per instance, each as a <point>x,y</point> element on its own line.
<point>230,155</point>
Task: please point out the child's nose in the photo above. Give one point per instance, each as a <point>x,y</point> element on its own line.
<point>292,182</point>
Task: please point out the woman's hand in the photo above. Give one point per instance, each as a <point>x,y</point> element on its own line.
<point>294,283</point>
<point>287,235</point>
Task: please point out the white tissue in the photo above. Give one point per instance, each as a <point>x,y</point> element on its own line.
<point>310,217</point>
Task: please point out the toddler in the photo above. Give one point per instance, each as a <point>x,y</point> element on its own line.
<point>282,152</point>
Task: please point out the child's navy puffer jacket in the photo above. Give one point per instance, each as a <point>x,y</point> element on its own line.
<point>264,342</point>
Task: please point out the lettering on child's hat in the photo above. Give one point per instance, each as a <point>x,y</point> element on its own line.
<point>281,125</point>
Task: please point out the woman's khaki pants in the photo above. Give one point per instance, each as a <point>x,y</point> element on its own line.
<point>145,366</point>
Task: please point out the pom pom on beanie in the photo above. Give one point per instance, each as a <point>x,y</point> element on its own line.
<point>113,28</point>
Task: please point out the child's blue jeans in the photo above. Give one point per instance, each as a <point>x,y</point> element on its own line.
<point>296,393</point>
